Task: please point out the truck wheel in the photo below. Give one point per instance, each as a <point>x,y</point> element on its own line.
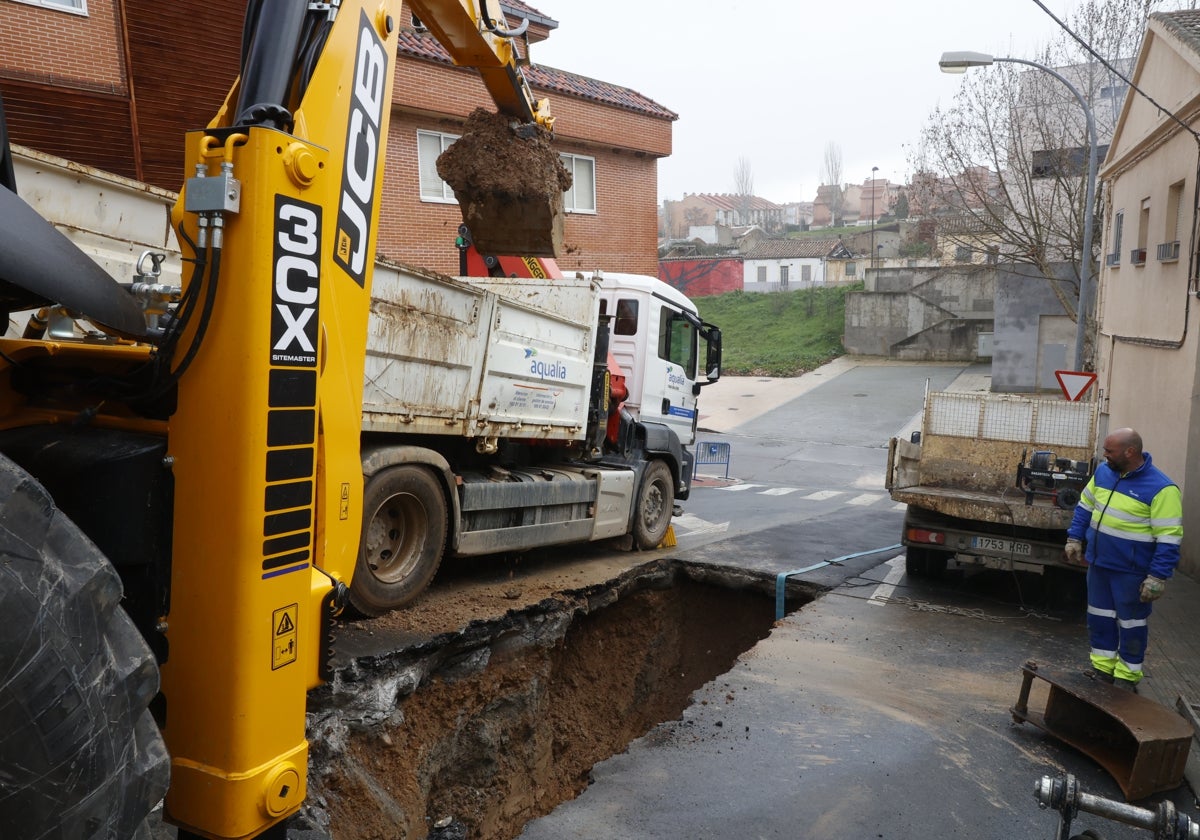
<point>403,537</point>
<point>80,754</point>
<point>925,562</point>
<point>655,506</point>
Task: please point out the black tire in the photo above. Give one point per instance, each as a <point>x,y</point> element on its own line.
<point>925,562</point>
<point>655,506</point>
<point>80,755</point>
<point>1067,498</point>
<point>403,538</point>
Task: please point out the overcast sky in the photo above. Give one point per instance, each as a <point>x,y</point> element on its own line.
<point>775,81</point>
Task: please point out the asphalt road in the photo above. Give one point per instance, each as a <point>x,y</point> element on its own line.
<point>881,709</point>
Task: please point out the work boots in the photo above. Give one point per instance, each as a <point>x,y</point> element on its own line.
<point>1126,685</point>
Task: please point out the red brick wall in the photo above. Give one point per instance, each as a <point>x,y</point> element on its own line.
<point>88,128</point>
<point>64,86</point>
<point>620,236</point>
<point>39,44</point>
<point>185,91</point>
<point>699,277</point>
<point>178,86</point>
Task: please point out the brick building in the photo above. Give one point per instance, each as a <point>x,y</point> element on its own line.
<point>114,84</point>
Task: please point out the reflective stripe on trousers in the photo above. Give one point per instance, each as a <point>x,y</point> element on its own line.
<point>1117,623</point>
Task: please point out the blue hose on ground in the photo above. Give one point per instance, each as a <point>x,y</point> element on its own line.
<point>781,578</point>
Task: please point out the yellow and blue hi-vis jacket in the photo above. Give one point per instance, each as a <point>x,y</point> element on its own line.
<point>1131,522</point>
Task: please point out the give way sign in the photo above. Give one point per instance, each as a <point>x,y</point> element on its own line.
<point>1074,383</point>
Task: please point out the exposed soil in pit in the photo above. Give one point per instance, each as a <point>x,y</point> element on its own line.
<point>498,725</point>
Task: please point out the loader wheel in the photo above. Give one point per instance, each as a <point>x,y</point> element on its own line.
<point>80,755</point>
<point>654,507</point>
<point>403,537</point>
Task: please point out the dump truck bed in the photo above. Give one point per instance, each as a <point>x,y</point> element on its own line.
<point>1002,509</point>
<point>970,499</point>
<point>479,357</point>
<point>960,479</point>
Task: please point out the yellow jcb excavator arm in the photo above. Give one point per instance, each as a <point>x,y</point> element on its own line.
<point>280,215</point>
<point>477,35</point>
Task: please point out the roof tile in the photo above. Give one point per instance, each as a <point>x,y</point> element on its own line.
<point>783,249</point>
<point>1184,24</point>
<point>725,201</point>
<point>423,45</point>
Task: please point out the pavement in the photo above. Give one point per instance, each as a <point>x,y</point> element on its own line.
<point>1173,660</point>
<point>818,733</point>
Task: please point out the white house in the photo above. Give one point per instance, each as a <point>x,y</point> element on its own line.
<point>781,264</point>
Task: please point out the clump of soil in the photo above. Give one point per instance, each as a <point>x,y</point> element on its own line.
<point>509,183</point>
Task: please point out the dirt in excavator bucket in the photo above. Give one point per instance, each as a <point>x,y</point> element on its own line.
<point>509,183</point>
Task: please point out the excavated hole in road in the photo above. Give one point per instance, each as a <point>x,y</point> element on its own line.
<point>500,723</point>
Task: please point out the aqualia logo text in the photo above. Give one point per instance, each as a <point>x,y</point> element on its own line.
<point>675,380</point>
<point>544,370</point>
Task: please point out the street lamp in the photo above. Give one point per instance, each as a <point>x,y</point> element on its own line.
<point>874,169</point>
<point>958,62</point>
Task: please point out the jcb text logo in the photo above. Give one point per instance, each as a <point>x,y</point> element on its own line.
<point>362,153</point>
<point>297,283</point>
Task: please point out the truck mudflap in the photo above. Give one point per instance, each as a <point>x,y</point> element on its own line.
<point>1143,745</point>
<point>660,441</point>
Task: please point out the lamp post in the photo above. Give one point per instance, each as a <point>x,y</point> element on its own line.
<point>958,62</point>
<point>874,169</point>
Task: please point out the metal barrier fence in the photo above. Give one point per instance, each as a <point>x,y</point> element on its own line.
<point>710,453</point>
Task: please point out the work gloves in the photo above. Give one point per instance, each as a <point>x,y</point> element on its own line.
<point>1074,552</point>
<point>1153,588</point>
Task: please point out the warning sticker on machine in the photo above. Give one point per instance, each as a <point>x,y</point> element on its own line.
<point>284,636</point>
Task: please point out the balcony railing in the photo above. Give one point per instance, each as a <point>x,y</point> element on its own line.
<point>1112,259</point>
<point>1137,256</point>
<point>1168,251</point>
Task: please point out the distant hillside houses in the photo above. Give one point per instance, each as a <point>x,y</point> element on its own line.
<point>733,211</point>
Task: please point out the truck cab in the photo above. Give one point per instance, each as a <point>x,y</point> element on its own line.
<point>656,335</point>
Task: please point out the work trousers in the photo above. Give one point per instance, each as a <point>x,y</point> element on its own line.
<point>1117,622</point>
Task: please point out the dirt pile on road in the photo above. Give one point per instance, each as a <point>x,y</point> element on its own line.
<point>509,183</point>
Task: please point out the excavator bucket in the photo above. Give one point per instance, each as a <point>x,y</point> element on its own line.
<point>509,183</point>
<point>530,226</point>
<point>1142,744</point>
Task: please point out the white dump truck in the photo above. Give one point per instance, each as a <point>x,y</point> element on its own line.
<point>991,480</point>
<point>493,418</point>
<point>489,423</point>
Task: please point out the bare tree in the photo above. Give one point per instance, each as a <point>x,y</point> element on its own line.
<point>743,188</point>
<point>1002,167</point>
<point>831,174</point>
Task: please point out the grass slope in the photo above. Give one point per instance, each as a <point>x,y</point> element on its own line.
<point>778,334</point>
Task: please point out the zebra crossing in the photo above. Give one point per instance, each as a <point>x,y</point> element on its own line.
<point>846,497</point>
<point>690,525</point>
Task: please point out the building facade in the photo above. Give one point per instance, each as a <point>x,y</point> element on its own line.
<point>149,73</point>
<point>1146,345</point>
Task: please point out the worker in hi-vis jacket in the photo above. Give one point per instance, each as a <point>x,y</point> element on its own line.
<point>1127,529</point>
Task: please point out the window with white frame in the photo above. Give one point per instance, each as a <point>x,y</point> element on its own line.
<point>77,6</point>
<point>783,276</point>
<point>581,198</point>
<point>761,273</point>
<point>430,145</point>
